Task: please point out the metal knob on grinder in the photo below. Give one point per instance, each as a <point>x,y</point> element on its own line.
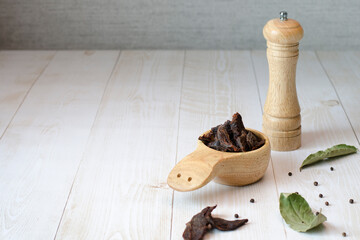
<point>281,118</point>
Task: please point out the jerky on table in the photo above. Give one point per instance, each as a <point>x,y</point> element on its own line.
<point>225,225</point>
<point>203,222</point>
<point>198,226</point>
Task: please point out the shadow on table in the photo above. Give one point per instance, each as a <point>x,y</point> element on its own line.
<point>216,193</point>
<point>309,140</point>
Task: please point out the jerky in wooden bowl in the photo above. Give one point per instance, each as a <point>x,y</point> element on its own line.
<point>230,153</point>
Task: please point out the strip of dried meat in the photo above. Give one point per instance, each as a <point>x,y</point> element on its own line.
<point>223,136</point>
<point>225,225</point>
<point>232,137</point>
<point>203,222</point>
<point>237,125</point>
<point>241,141</point>
<point>253,141</point>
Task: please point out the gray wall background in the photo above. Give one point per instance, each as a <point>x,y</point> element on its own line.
<point>177,24</point>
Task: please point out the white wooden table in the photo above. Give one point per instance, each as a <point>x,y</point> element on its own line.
<point>89,137</point>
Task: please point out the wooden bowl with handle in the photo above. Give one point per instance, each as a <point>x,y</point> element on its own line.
<point>229,168</point>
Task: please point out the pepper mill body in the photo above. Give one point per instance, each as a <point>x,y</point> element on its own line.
<point>281,118</point>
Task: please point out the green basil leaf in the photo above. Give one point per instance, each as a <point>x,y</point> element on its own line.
<point>337,150</point>
<point>297,212</point>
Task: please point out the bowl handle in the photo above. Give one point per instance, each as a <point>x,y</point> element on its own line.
<point>196,169</point>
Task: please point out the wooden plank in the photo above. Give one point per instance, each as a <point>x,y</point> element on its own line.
<point>120,191</point>
<point>217,84</point>
<point>41,149</point>
<point>324,124</point>
<point>18,72</point>
<point>343,69</point>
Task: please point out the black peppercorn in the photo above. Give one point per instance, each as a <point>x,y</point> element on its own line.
<point>351,201</point>
<point>252,200</point>
<point>316,183</point>
<point>236,215</point>
<point>327,203</point>
<point>297,192</point>
<point>290,174</point>
<point>317,213</point>
<point>332,169</point>
<point>320,195</point>
<point>344,234</point>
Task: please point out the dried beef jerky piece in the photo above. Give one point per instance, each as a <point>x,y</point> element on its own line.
<point>253,141</point>
<point>198,225</point>
<point>203,222</point>
<point>224,138</point>
<point>225,225</point>
<point>259,144</point>
<point>241,141</point>
<point>217,146</point>
<point>228,130</point>
<point>237,125</point>
<point>227,126</point>
<point>207,138</point>
<point>239,132</point>
<point>214,130</point>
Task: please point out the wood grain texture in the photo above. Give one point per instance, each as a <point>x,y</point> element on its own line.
<point>41,149</point>
<point>216,84</point>
<point>343,69</point>
<point>120,191</point>
<point>158,24</point>
<point>324,124</point>
<point>18,72</point>
<point>117,138</point>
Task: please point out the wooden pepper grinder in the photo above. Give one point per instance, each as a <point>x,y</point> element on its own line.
<point>281,118</point>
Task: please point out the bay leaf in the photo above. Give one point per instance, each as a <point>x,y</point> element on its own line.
<point>334,151</point>
<point>297,213</point>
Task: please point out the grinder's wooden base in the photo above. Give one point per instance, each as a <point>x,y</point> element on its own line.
<point>284,141</point>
